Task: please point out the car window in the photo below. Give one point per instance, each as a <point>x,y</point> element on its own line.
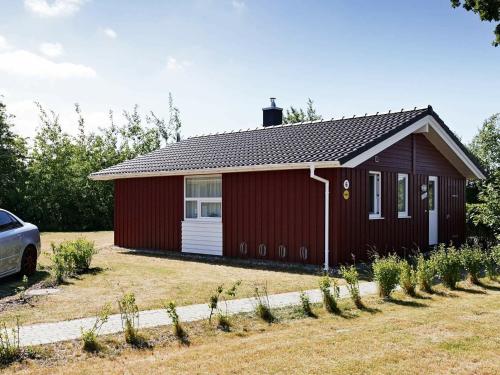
<point>7,222</point>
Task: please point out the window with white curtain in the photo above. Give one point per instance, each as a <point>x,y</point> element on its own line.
<point>374,188</point>
<point>203,197</point>
<point>402,195</point>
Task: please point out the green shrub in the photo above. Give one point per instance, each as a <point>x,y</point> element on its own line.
<point>71,257</point>
<point>223,321</point>
<point>89,336</point>
<point>176,324</point>
<point>10,350</point>
<point>425,274</point>
<point>386,274</point>
<point>305,305</point>
<point>329,298</point>
<point>446,262</point>
<point>472,259</point>
<point>492,262</point>
<point>351,276</point>
<point>129,313</point>
<point>262,307</point>
<point>407,277</point>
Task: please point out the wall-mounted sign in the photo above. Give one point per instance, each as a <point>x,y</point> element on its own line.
<point>424,195</point>
<point>346,184</point>
<point>423,188</point>
<point>346,194</point>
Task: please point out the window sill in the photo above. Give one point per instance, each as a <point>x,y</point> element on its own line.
<point>376,218</point>
<point>404,217</point>
<point>204,220</point>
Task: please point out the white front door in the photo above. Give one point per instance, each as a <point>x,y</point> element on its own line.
<point>432,194</point>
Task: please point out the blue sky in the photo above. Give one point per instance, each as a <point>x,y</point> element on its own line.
<point>223,59</point>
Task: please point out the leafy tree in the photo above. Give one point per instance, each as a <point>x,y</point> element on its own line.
<point>483,209</point>
<point>488,10</point>
<point>12,162</point>
<point>294,115</point>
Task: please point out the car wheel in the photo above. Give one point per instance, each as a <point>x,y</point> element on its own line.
<point>28,262</point>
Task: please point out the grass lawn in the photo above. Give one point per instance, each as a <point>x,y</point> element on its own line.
<point>447,332</point>
<point>152,278</point>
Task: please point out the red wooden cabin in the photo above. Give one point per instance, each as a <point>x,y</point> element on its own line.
<point>314,192</point>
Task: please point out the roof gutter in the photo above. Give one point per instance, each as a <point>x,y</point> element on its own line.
<point>327,206</point>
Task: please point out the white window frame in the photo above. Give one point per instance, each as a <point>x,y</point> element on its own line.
<point>201,200</point>
<point>377,195</point>
<point>402,214</point>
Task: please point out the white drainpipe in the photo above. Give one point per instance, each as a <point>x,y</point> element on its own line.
<point>327,205</point>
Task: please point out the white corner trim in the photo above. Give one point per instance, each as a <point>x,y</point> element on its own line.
<point>208,171</point>
<point>421,126</point>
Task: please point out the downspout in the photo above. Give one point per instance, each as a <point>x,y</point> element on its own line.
<point>327,205</point>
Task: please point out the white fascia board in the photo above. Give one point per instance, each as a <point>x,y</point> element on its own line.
<point>189,172</point>
<point>421,126</point>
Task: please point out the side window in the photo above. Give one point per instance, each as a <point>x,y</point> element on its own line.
<point>375,192</point>
<point>6,221</point>
<point>402,195</point>
<point>203,197</point>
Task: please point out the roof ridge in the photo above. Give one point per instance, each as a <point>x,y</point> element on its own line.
<point>343,118</point>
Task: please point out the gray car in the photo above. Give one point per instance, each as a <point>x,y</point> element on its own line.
<point>19,245</point>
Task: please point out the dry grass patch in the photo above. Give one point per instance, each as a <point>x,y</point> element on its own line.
<point>151,278</point>
<point>435,338</point>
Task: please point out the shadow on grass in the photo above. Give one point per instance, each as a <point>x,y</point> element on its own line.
<point>9,284</point>
<point>471,291</point>
<point>401,302</point>
<point>371,310</point>
<point>489,286</point>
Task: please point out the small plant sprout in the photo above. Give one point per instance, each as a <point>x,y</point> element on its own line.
<point>407,278</point>
<point>171,308</point>
<point>351,276</point>
<point>262,308</point>
<point>425,274</point>
<point>89,336</point>
<point>129,313</point>
<point>223,321</point>
<point>214,301</point>
<point>21,289</point>
<point>386,274</point>
<point>329,298</point>
<point>473,260</point>
<point>305,304</point>
<point>10,349</point>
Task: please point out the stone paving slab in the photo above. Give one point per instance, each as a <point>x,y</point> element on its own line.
<point>45,333</point>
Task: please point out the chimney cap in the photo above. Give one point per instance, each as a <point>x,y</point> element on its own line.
<point>273,104</point>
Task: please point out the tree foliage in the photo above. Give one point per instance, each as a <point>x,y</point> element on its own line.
<point>47,183</point>
<point>294,115</point>
<point>488,10</point>
<point>483,210</point>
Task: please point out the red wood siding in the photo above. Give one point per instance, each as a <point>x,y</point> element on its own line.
<point>148,212</point>
<point>274,208</point>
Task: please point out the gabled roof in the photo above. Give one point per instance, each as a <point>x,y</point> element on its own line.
<point>332,143</point>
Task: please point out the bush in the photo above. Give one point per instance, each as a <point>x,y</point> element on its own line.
<point>262,308</point>
<point>446,263</point>
<point>329,299</point>
<point>351,276</point>
<point>305,305</point>
<point>10,350</point>
<point>223,320</point>
<point>407,277</point>
<point>425,274</point>
<point>472,259</point>
<point>129,313</point>
<point>172,313</point>
<point>386,274</point>
<point>71,257</point>
<point>89,336</point>
<point>492,262</point>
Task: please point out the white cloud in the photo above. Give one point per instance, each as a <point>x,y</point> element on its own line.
<point>110,33</point>
<point>54,8</point>
<point>28,64</point>
<point>51,49</point>
<point>238,5</point>
<point>175,65</point>
<point>3,43</point>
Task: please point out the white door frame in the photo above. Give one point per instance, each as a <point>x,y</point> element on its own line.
<point>433,211</point>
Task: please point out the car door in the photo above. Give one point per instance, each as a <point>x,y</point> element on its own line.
<point>10,239</point>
